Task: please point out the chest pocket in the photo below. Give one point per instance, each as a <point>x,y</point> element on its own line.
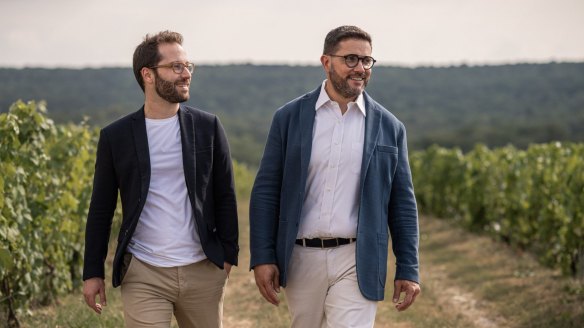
<point>387,158</point>
<point>204,158</point>
<point>387,149</point>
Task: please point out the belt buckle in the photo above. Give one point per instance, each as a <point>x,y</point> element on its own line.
<point>321,243</point>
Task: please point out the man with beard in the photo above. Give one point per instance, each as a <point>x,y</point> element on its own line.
<point>171,165</point>
<point>333,183</point>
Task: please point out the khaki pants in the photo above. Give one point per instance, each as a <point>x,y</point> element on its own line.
<point>194,293</point>
<point>322,289</point>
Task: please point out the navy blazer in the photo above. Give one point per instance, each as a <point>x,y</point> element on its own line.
<point>387,202</point>
<point>123,163</point>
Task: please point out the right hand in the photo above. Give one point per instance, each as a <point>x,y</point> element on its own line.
<point>91,288</point>
<point>267,278</point>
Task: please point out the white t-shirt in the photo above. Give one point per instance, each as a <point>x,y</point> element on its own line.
<point>166,234</point>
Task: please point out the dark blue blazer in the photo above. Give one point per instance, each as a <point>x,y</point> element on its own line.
<point>387,203</point>
<point>123,164</point>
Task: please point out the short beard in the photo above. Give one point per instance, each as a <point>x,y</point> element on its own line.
<point>342,87</point>
<point>167,91</point>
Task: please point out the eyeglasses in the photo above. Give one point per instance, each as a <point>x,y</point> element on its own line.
<point>178,67</point>
<point>353,60</point>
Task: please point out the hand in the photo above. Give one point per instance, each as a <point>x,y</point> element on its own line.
<point>227,267</point>
<point>91,288</point>
<point>267,277</point>
<point>412,290</point>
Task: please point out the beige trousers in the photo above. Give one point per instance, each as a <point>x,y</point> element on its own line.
<point>194,293</point>
<point>322,289</point>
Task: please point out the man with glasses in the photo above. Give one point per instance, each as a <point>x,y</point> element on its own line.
<point>333,184</point>
<point>171,165</point>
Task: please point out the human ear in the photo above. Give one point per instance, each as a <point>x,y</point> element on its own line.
<point>147,75</point>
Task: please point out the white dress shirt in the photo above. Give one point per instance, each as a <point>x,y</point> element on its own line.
<point>331,204</point>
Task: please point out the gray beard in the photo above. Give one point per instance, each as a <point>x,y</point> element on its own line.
<point>342,86</point>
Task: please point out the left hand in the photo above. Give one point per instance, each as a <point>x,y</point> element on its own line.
<point>227,268</point>
<point>412,290</point>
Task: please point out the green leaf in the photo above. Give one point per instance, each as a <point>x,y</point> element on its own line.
<point>6,262</point>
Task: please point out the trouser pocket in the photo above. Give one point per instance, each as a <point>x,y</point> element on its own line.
<point>125,265</point>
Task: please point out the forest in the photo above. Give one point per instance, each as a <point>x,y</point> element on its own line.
<point>457,106</point>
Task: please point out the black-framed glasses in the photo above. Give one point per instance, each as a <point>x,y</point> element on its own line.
<point>178,67</point>
<point>352,60</point>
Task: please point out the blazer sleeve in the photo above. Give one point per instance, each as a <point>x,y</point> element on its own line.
<point>224,196</point>
<point>265,199</point>
<point>403,216</point>
<point>101,211</point>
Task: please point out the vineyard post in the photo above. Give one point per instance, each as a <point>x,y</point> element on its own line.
<point>580,264</point>
<point>12,321</point>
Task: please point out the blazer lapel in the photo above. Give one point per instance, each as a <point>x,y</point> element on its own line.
<point>141,143</point>
<point>372,126</point>
<point>307,114</point>
<point>187,136</point>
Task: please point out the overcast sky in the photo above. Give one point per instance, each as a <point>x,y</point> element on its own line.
<point>94,33</point>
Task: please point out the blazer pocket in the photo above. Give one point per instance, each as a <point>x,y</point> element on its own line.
<point>204,165</point>
<point>387,149</point>
<point>203,149</point>
<point>383,246</point>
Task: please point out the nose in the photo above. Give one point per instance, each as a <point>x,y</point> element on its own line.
<point>359,67</point>
<point>186,71</point>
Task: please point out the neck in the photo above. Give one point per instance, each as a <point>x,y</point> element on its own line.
<point>334,96</point>
<point>158,108</point>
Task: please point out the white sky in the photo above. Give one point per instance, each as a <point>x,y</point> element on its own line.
<point>94,33</point>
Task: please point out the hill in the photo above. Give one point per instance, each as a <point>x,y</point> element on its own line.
<point>451,106</point>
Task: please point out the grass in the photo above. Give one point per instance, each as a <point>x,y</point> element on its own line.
<point>467,281</point>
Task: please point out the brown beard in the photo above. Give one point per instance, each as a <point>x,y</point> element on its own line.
<point>167,91</point>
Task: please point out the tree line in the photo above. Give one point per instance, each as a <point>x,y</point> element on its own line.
<point>451,106</point>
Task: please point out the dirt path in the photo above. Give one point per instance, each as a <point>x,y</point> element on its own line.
<point>467,281</point>
<point>463,302</point>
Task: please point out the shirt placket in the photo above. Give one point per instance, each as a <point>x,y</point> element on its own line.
<point>332,171</point>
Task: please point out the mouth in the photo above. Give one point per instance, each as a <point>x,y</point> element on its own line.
<point>357,78</point>
<point>183,85</point>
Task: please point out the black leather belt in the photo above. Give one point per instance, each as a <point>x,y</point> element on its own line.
<point>324,243</point>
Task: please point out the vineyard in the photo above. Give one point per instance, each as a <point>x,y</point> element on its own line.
<point>46,174</point>
<point>45,187</point>
<point>532,199</point>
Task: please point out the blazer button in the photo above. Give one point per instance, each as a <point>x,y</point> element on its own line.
<point>214,229</point>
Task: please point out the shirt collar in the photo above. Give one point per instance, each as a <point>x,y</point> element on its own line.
<point>323,99</point>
